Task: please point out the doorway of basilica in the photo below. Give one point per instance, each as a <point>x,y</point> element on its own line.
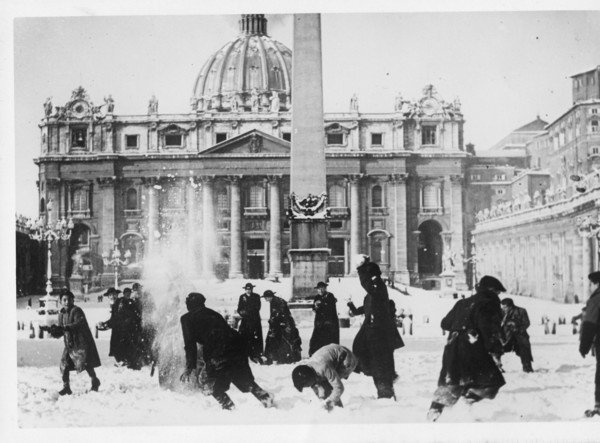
<point>430,249</point>
<point>255,258</point>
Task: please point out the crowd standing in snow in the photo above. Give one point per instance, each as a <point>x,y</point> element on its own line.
<point>481,328</point>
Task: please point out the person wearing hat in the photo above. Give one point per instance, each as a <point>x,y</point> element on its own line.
<point>223,350</point>
<point>323,373</point>
<point>378,336</point>
<point>514,329</point>
<point>80,353</point>
<point>327,326</point>
<point>590,336</point>
<point>471,360</point>
<point>283,344</point>
<point>250,326</point>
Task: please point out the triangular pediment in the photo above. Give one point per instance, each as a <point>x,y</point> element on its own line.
<point>251,142</point>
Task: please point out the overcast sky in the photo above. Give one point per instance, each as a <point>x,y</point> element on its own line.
<point>506,67</point>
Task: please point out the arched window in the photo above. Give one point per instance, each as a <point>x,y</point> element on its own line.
<point>376,197</point>
<point>42,205</point>
<point>337,196</point>
<point>256,196</point>
<point>80,200</point>
<point>134,244</point>
<point>131,200</point>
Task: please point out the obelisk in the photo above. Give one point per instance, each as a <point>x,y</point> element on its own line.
<point>308,200</point>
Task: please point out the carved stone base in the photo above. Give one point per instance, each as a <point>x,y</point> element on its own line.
<point>308,267</point>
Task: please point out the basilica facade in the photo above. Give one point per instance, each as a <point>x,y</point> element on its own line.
<point>218,175</point>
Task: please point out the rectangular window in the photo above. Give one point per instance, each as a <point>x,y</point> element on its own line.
<point>256,197</point>
<point>78,137</point>
<point>376,139</point>
<point>595,126</point>
<point>594,110</point>
<point>287,136</point>
<point>220,137</point>
<point>173,140</point>
<point>428,135</point>
<point>335,139</point>
<point>131,141</point>
<point>336,225</point>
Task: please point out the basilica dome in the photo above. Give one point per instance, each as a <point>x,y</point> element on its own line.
<point>251,73</point>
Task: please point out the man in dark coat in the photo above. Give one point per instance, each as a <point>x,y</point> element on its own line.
<point>470,364</point>
<point>378,336</point>
<point>283,344</point>
<point>148,327</point>
<point>514,328</point>
<point>80,351</point>
<point>224,352</point>
<point>327,325</point>
<point>125,324</point>
<point>590,335</point>
<point>250,326</point>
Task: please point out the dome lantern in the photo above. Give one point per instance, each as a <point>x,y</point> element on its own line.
<point>253,24</point>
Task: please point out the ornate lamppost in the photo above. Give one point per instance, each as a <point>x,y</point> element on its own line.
<point>43,231</point>
<point>114,260</point>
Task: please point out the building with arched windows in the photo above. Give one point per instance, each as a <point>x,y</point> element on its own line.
<point>218,174</point>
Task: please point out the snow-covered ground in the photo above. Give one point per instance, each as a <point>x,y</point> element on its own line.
<point>559,390</point>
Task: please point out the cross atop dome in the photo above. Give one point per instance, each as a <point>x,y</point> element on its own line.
<point>253,24</point>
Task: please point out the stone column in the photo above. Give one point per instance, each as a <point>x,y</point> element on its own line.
<point>275,232</point>
<point>208,233</point>
<point>456,216</point>
<point>586,267</point>
<point>235,256</point>
<point>191,225</point>
<point>398,182</point>
<point>347,256</point>
<point>413,256</point>
<point>354,221</point>
<point>152,216</point>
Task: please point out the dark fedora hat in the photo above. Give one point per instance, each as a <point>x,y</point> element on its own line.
<point>487,281</point>
<point>268,293</point>
<point>321,285</point>
<point>249,286</point>
<point>111,291</point>
<point>594,277</point>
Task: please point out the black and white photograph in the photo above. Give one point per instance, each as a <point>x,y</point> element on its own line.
<point>278,223</point>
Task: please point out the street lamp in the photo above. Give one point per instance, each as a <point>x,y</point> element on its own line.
<point>43,231</point>
<point>115,260</point>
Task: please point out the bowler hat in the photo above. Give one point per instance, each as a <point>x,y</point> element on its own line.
<point>594,277</point>
<point>194,300</point>
<point>303,376</point>
<point>136,286</point>
<point>111,291</point>
<point>249,286</point>
<point>507,302</point>
<point>321,285</point>
<point>127,291</point>
<point>487,281</point>
<point>268,293</point>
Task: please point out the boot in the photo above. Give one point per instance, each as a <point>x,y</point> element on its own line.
<point>471,397</point>
<point>263,396</point>
<point>224,401</point>
<point>527,367</point>
<point>66,390</point>
<point>435,410</point>
<point>385,389</point>
<point>95,384</point>
<point>592,412</point>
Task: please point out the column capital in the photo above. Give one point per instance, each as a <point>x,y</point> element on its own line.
<point>398,178</point>
<point>458,179</point>
<point>150,181</point>
<point>355,178</point>
<point>234,179</point>
<point>106,181</point>
<point>206,179</point>
<point>274,178</point>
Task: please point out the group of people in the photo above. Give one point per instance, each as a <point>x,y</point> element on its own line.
<point>480,329</point>
<point>132,326</point>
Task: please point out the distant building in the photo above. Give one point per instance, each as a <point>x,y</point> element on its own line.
<point>543,240</point>
<point>31,261</point>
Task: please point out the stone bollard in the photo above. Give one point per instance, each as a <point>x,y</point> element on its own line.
<point>574,329</point>
<point>18,326</point>
<point>31,330</point>
<point>410,328</point>
<point>40,333</point>
<point>554,328</point>
<point>96,334</point>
